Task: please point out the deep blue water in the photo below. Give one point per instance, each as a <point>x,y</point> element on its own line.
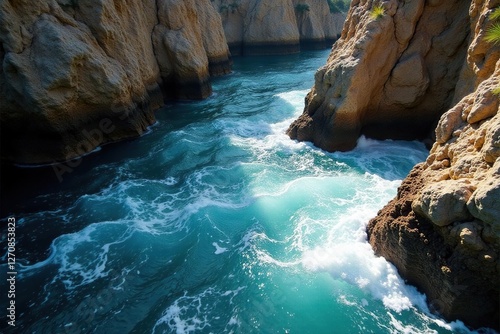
<point>216,222</point>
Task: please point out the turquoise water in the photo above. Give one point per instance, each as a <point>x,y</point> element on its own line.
<point>217,222</point>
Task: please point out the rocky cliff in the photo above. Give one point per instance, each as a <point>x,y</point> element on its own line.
<point>399,69</point>
<point>442,231</point>
<point>365,88</point>
<point>76,74</point>
<point>318,26</point>
<point>279,26</point>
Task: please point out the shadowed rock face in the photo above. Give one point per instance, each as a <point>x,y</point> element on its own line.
<point>255,27</point>
<point>318,27</point>
<point>387,77</point>
<point>77,74</point>
<point>394,77</point>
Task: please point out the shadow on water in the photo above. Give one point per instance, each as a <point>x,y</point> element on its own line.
<point>20,187</point>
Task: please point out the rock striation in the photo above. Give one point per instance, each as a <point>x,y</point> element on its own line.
<point>77,74</point>
<point>418,66</point>
<point>255,27</point>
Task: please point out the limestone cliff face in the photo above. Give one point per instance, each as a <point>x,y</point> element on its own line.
<point>420,59</point>
<point>365,88</point>
<point>317,26</point>
<point>189,45</point>
<point>277,27</point>
<point>76,74</point>
<point>443,230</point>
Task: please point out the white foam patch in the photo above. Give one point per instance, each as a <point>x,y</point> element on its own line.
<point>265,258</point>
<point>170,181</point>
<point>264,137</point>
<point>82,256</point>
<point>356,264</point>
<point>194,313</point>
<point>344,252</point>
<point>166,206</point>
<point>253,247</point>
<point>398,327</point>
<point>218,249</point>
<point>364,143</point>
<point>347,256</point>
<point>295,98</point>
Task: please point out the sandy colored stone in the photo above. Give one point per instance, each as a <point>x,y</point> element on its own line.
<point>309,25</point>
<point>484,204</point>
<point>454,218</point>
<point>469,235</point>
<point>276,27</point>
<point>214,40</point>
<point>318,26</point>
<point>490,149</point>
<point>77,74</point>
<point>259,27</point>
<point>114,26</point>
<point>401,82</point>
<point>61,83</point>
<point>444,202</point>
<point>271,22</point>
<point>407,89</point>
<point>485,106</point>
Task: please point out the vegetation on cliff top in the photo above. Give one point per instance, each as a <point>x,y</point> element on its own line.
<point>493,36</point>
<point>377,12</point>
<point>493,33</point>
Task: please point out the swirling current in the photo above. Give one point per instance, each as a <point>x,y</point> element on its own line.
<point>216,222</point>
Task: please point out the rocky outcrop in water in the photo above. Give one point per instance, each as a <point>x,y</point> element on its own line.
<point>77,74</point>
<point>443,230</point>
<point>254,27</point>
<point>365,87</point>
<point>393,75</point>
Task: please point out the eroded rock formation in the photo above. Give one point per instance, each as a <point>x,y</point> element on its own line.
<point>365,87</point>
<point>443,230</point>
<point>318,27</point>
<point>393,77</point>
<point>254,27</point>
<point>76,74</point>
